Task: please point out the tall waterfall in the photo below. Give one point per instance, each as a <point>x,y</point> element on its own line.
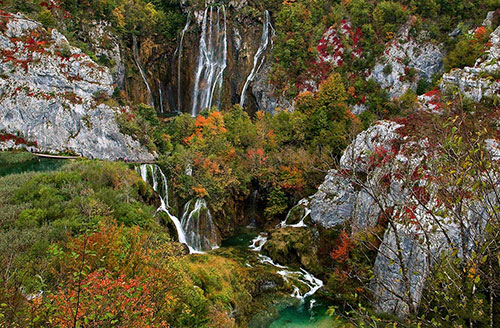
<point>179,64</point>
<point>136,59</point>
<point>212,60</point>
<point>258,60</point>
<point>197,222</point>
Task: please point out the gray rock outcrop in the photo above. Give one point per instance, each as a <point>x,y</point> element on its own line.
<point>405,53</point>
<point>385,174</point>
<point>482,79</point>
<point>54,96</point>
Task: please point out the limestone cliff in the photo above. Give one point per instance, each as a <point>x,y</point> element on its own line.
<point>53,95</point>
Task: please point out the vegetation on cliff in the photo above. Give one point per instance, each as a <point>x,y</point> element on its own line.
<point>84,244</point>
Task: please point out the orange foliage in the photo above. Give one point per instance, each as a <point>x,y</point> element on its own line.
<point>480,33</point>
<point>292,178</point>
<point>106,301</point>
<point>200,191</point>
<point>207,127</point>
<point>340,254</point>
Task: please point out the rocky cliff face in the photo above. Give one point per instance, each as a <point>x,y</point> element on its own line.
<point>387,174</point>
<point>482,79</point>
<point>406,60</point>
<point>244,27</point>
<point>52,95</point>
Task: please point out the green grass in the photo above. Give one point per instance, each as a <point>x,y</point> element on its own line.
<point>15,157</point>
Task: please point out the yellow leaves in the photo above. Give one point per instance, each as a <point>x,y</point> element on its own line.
<point>120,18</point>
<point>200,191</point>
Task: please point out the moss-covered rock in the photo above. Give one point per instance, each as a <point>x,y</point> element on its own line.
<point>294,246</point>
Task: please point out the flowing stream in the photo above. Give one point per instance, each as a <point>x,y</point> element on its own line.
<point>143,75</point>
<point>212,60</point>
<point>259,59</point>
<point>304,204</point>
<point>301,276</point>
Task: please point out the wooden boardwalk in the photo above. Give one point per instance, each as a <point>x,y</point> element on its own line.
<point>79,157</point>
<point>55,156</point>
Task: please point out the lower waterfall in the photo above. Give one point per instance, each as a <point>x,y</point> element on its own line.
<point>200,236</point>
<point>200,233</point>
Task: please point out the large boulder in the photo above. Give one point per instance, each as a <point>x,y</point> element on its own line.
<point>53,95</point>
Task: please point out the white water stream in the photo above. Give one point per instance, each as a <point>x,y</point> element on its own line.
<point>259,59</point>
<point>302,276</point>
<point>303,203</point>
<point>212,60</point>
<point>143,75</point>
<point>179,63</point>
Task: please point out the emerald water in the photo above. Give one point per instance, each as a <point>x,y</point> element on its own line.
<point>33,165</point>
<point>242,239</point>
<point>285,313</point>
<point>303,316</point>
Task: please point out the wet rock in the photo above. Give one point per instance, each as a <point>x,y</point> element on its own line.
<point>263,92</point>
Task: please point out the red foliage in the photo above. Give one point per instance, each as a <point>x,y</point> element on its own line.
<point>105,301</point>
<point>17,140</point>
<point>421,194</point>
<point>340,254</point>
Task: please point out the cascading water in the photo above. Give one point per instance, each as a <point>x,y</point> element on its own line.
<point>304,204</point>
<point>212,60</point>
<point>197,222</point>
<point>258,242</point>
<point>136,59</point>
<point>259,59</point>
<point>150,173</point>
<point>302,276</point>
<point>162,110</point>
<point>179,63</point>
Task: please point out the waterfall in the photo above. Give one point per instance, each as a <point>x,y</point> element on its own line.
<point>258,59</point>
<point>162,110</point>
<point>136,59</point>
<point>179,64</point>
<point>304,203</point>
<point>258,242</point>
<point>150,173</point>
<point>201,233</point>
<point>212,60</point>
